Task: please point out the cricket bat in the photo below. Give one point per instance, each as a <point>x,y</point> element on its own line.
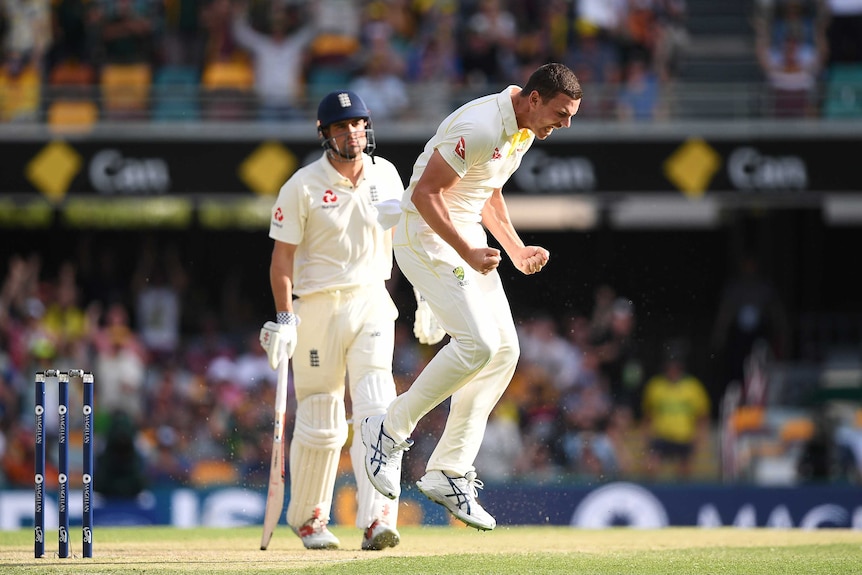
<point>275,491</point>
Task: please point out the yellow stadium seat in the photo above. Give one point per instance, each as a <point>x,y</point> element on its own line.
<point>20,94</point>
<point>72,115</point>
<point>226,87</point>
<point>230,75</point>
<point>125,90</point>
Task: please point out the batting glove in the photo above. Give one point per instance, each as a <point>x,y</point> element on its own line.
<point>279,339</point>
<point>425,326</point>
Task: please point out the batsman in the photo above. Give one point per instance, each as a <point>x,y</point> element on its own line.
<point>334,317</point>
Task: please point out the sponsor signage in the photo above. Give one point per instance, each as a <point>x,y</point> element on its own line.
<point>617,504</point>
<point>692,166</point>
<point>221,184</point>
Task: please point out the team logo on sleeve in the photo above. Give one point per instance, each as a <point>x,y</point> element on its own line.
<point>496,155</point>
<point>461,148</point>
<point>278,216</point>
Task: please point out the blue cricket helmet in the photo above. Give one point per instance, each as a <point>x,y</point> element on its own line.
<point>339,106</point>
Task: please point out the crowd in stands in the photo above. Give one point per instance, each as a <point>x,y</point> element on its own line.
<point>277,57</point>
<point>800,44</point>
<point>274,59</point>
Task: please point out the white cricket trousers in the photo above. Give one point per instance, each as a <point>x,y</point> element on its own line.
<point>342,332</point>
<point>478,362</point>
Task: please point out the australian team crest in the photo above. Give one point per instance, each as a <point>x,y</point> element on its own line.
<point>459,274</point>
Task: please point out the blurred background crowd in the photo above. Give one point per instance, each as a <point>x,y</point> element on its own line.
<point>185,395</point>
<point>184,392</point>
<point>80,61</point>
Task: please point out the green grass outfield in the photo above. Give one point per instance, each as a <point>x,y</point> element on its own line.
<point>456,550</point>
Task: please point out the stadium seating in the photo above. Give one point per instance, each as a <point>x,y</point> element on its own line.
<point>125,90</point>
<point>175,94</point>
<point>226,88</point>
<point>843,98</point>
<point>71,86</point>
<point>20,94</point>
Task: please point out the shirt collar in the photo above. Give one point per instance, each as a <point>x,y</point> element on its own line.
<point>504,101</point>
<point>335,178</point>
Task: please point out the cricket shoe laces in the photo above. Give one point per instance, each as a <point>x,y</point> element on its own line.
<point>315,535</point>
<point>379,535</point>
<point>458,495</point>
<point>382,456</point>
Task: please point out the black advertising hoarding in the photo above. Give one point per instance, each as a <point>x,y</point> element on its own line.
<point>201,166</point>
<point>181,179</point>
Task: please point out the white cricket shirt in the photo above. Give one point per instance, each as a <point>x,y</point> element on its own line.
<point>340,244</point>
<point>482,143</point>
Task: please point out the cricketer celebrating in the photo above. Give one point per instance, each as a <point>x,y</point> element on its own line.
<point>333,256</point>
<point>441,246</point>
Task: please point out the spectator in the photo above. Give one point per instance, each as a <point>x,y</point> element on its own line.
<point>379,42</point>
<point>791,50</point>
<point>488,56</point>
<point>252,365</point>
<point>576,330</point>
<point>121,363</point>
<point>540,414</point>
<point>128,34</point>
<point>620,361</point>
<point>166,398</point>
<point>602,313</point>
<point>75,25</point>
<point>844,31</point>
<point>750,311</point>
<point>383,91</point>
<point>165,467</point>
<point>639,96</point>
<point>672,37</point>
<point>638,32</point>
<point>18,459</point>
<point>587,447</point>
<point>120,464</point>
<point>68,324</point>
<point>676,411</point>
<point>792,70</point>
<point>537,33</point>
<point>502,445</point>
<point>332,52</point>
<point>279,57</point>
<point>217,18</point>
<point>28,36</point>
<point>433,64</point>
<point>183,38</point>
<point>543,346</point>
<point>603,20</point>
<point>158,285</point>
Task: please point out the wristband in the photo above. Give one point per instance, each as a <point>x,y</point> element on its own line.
<point>286,318</point>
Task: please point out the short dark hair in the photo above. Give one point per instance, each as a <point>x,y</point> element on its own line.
<point>552,79</point>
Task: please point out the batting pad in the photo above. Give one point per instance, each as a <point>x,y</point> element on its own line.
<point>318,436</point>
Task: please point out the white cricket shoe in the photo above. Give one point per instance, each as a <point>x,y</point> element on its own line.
<point>380,535</point>
<point>382,456</point>
<point>315,535</point>
<point>458,495</point>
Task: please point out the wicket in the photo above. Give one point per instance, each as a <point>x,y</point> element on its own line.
<point>63,461</point>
